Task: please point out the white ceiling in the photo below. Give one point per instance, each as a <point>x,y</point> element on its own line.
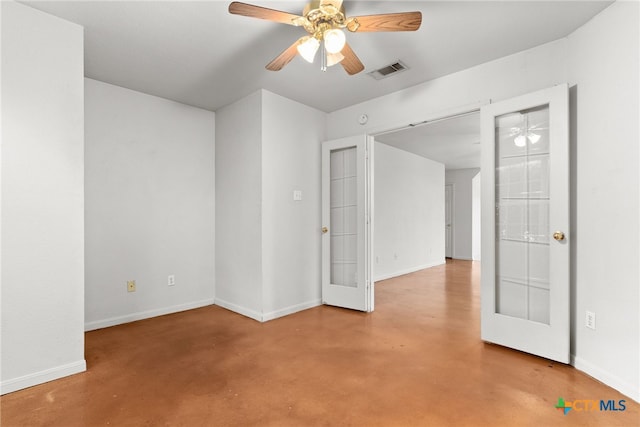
<point>454,141</point>
<point>198,54</point>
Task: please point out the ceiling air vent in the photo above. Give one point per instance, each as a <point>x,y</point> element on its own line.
<point>389,70</point>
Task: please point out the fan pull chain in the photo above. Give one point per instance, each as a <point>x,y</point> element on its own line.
<point>323,55</point>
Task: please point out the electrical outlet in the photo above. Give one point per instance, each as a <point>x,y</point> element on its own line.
<point>590,320</point>
<point>171,280</point>
<point>131,285</point>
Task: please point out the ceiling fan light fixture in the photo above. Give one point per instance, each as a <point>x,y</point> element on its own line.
<point>533,137</point>
<point>520,141</point>
<point>308,47</point>
<point>325,20</point>
<point>334,58</point>
<point>334,40</point>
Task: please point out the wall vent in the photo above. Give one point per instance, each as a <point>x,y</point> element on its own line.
<point>389,70</point>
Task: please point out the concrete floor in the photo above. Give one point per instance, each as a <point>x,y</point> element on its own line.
<point>416,361</point>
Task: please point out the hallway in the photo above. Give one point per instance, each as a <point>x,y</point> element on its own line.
<point>416,361</point>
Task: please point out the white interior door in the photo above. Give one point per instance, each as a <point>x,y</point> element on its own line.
<point>448,220</point>
<point>346,238</point>
<point>525,223</point>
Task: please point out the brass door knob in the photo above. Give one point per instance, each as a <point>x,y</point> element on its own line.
<point>558,235</point>
<point>324,230</point>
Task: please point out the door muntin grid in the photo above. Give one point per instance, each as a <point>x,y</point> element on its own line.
<point>343,227</point>
<point>522,215</point>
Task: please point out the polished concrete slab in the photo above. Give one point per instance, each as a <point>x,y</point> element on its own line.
<point>416,361</point>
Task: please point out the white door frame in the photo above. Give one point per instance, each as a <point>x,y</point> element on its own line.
<point>452,211</point>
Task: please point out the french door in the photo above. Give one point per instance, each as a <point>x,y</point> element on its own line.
<point>525,223</point>
<point>346,228</point>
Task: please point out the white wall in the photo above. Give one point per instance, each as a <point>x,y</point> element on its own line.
<point>462,180</point>
<point>291,239</point>
<point>42,198</point>
<point>476,223</point>
<point>149,211</point>
<point>602,59</point>
<point>268,246</point>
<point>603,69</point>
<point>503,78</point>
<point>408,212</point>
<point>239,206</point>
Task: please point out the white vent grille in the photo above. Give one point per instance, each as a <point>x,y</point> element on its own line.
<point>389,70</point>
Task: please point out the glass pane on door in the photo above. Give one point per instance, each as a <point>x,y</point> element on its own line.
<point>522,214</point>
<point>343,225</point>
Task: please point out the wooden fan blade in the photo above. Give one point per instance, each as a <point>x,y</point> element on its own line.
<point>406,21</point>
<point>284,58</point>
<point>244,9</point>
<point>351,63</point>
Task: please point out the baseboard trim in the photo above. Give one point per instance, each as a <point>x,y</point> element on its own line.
<point>247,312</point>
<point>265,317</point>
<point>607,378</point>
<point>408,270</point>
<point>36,378</point>
<point>113,321</point>
<point>291,309</point>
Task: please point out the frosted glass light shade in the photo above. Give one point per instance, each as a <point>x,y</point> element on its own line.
<point>533,137</point>
<point>308,48</point>
<point>520,140</point>
<point>334,58</point>
<point>334,40</point>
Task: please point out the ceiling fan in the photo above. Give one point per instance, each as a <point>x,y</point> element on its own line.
<point>325,20</point>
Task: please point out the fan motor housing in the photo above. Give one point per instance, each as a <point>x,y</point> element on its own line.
<point>320,13</point>
<point>327,8</point>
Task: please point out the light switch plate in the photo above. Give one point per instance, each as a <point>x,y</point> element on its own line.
<point>297,195</point>
<point>590,320</point>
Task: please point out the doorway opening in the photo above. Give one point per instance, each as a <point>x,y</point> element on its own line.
<point>425,207</point>
<point>525,196</point>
